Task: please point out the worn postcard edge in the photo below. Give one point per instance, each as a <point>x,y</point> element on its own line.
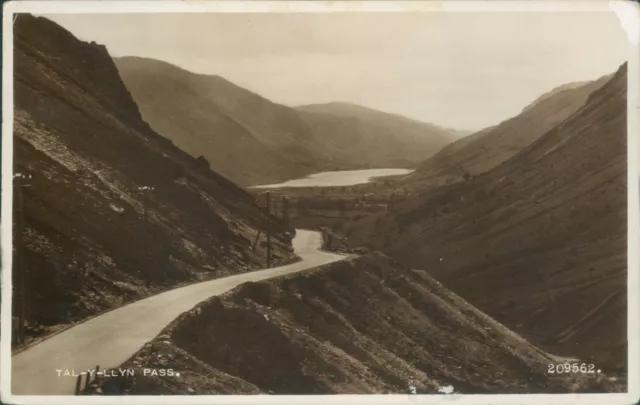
<point>629,16</point>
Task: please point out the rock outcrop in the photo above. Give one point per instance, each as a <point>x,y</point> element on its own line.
<point>106,210</point>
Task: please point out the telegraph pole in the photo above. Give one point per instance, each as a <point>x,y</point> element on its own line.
<point>268,195</point>
<point>145,216</point>
<point>285,211</point>
<point>145,204</point>
<point>144,190</point>
<point>19,265</point>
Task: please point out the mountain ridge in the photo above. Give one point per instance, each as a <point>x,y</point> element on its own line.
<point>279,142</point>
<point>538,241</point>
<point>487,148</point>
<point>323,107</point>
<point>101,183</point>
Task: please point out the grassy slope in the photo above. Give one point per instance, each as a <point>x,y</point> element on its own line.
<point>371,138</point>
<point>539,242</point>
<point>485,149</point>
<point>253,141</point>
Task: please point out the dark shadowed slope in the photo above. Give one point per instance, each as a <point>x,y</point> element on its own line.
<point>485,149</point>
<point>374,138</point>
<point>367,325</point>
<point>89,242</point>
<point>254,141</point>
<point>539,242</point>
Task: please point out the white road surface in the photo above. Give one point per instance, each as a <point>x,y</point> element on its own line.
<point>110,339</point>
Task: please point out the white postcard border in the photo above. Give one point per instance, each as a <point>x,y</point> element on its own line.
<point>630,20</point>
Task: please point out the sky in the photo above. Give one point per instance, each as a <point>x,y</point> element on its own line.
<point>464,71</point>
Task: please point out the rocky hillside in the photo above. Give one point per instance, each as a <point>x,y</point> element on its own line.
<point>371,138</point>
<point>539,242</point>
<point>484,150</point>
<point>365,325</point>
<point>107,210</point>
<point>252,140</point>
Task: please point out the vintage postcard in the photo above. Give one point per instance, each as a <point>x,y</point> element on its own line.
<point>350,202</point>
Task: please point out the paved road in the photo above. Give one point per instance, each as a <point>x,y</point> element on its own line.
<point>112,338</point>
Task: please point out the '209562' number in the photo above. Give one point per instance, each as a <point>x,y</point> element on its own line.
<point>566,368</point>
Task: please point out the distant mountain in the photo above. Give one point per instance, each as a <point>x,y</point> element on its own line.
<point>94,233</point>
<point>252,140</point>
<point>539,241</point>
<point>485,149</point>
<point>243,136</point>
<point>374,138</point>
<point>560,89</point>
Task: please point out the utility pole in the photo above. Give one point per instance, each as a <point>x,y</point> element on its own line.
<point>145,230</point>
<point>268,195</point>
<point>144,191</point>
<point>145,204</point>
<point>19,265</point>
<point>285,211</point>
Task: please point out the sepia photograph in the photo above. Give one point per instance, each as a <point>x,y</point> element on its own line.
<point>266,199</point>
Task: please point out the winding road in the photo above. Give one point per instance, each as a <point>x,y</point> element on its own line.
<point>110,339</point>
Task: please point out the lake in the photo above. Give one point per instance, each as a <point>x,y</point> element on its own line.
<point>338,178</point>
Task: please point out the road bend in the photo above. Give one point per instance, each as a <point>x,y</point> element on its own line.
<point>110,339</point>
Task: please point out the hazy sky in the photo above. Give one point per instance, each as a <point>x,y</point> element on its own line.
<point>460,70</point>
